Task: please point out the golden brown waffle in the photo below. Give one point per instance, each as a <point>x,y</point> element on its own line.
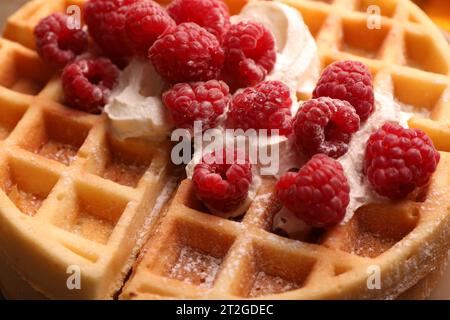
<point>196,255</point>
<point>408,55</point>
<point>70,193</point>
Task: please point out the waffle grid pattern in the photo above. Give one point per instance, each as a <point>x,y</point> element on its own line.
<point>68,187</point>
<point>408,56</point>
<point>193,254</point>
<point>196,255</point>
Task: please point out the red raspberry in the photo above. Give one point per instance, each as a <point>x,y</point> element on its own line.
<point>350,81</point>
<point>326,126</point>
<point>213,15</point>
<point>250,53</point>
<point>56,43</point>
<point>145,22</point>
<point>106,20</point>
<point>223,183</point>
<point>87,83</point>
<point>187,53</point>
<point>399,160</point>
<point>318,194</point>
<point>266,106</point>
<point>197,101</point>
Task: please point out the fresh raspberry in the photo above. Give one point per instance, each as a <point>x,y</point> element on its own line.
<point>250,54</point>
<point>187,53</point>
<point>106,20</point>
<point>197,101</point>
<point>266,106</point>
<point>145,22</point>
<point>325,125</point>
<point>318,194</point>
<point>350,81</point>
<point>398,160</point>
<point>87,83</point>
<point>56,43</point>
<point>223,182</point>
<point>213,15</point>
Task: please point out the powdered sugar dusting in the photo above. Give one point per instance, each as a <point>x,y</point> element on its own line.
<point>267,284</point>
<point>162,199</point>
<point>196,267</point>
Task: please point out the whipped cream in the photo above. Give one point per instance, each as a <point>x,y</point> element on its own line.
<point>386,110</point>
<point>289,224</point>
<point>135,108</point>
<point>297,62</point>
<point>280,153</point>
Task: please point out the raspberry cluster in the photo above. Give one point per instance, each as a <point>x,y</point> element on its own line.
<point>56,43</point>
<point>250,54</point>
<point>216,73</point>
<point>325,126</point>
<point>197,101</point>
<point>265,106</point>
<point>350,81</point>
<point>88,82</point>
<point>318,194</point>
<point>187,53</point>
<point>221,181</point>
<point>214,16</point>
<point>399,160</point>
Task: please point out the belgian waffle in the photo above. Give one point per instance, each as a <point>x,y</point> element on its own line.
<point>196,255</point>
<point>70,193</point>
<point>193,254</point>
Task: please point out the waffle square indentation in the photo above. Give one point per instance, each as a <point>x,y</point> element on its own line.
<point>26,185</point>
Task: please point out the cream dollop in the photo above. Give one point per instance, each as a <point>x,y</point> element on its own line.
<point>386,110</point>
<point>135,108</point>
<point>279,152</point>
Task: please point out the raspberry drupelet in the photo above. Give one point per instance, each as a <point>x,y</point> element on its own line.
<point>399,160</point>
<point>222,182</point>
<point>187,53</point>
<point>87,83</point>
<point>318,194</point>
<point>56,43</point>
<point>325,125</point>
<point>350,81</point>
<point>265,106</point>
<point>213,15</point>
<point>197,101</point>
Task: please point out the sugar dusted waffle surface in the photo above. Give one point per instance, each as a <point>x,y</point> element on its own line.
<point>196,255</point>
<point>71,195</point>
<point>192,254</point>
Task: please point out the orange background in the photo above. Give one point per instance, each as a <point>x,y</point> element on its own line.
<point>438,10</point>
